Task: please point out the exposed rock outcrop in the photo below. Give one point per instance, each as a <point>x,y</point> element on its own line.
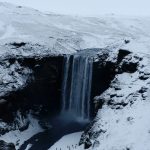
<point>29,86</point>
<point>6,146</point>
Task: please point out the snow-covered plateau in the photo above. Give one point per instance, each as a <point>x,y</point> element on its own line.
<point>32,49</point>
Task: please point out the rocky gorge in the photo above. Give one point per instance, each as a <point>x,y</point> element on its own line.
<point>76,74</point>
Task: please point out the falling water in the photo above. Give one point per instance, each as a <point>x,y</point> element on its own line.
<point>76,87</point>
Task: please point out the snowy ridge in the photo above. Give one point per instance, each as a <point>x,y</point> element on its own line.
<point>60,34</point>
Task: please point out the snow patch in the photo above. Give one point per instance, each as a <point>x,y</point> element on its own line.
<point>70,142</point>
<point>9,32</point>
<point>18,138</point>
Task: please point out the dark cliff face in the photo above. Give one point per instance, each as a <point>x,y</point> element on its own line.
<point>41,94</point>
<point>102,77</point>
<point>104,72</point>
<point>45,88</point>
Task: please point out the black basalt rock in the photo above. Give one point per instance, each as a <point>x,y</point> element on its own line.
<point>129,67</point>
<point>6,146</point>
<point>122,53</point>
<point>87,144</point>
<point>18,45</point>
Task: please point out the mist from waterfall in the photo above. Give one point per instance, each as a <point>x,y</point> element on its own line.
<point>76,86</point>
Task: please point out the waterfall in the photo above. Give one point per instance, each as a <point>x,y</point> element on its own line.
<point>76,86</point>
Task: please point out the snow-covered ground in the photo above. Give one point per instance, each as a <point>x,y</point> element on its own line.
<point>68,142</point>
<point>57,34</point>
<point>19,137</point>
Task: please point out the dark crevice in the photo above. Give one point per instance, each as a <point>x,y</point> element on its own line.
<point>18,45</point>
<point>122,53</point>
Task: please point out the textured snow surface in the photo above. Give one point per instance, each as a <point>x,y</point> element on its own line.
<point>57,34</point>
<point>68,142</point>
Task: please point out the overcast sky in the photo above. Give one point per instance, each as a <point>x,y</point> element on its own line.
<point>89,7</point>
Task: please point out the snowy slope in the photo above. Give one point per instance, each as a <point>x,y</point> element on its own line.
<point>52,33</point>
<point>70,141</point>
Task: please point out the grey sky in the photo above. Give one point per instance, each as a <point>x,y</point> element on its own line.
<point>89,7</point>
